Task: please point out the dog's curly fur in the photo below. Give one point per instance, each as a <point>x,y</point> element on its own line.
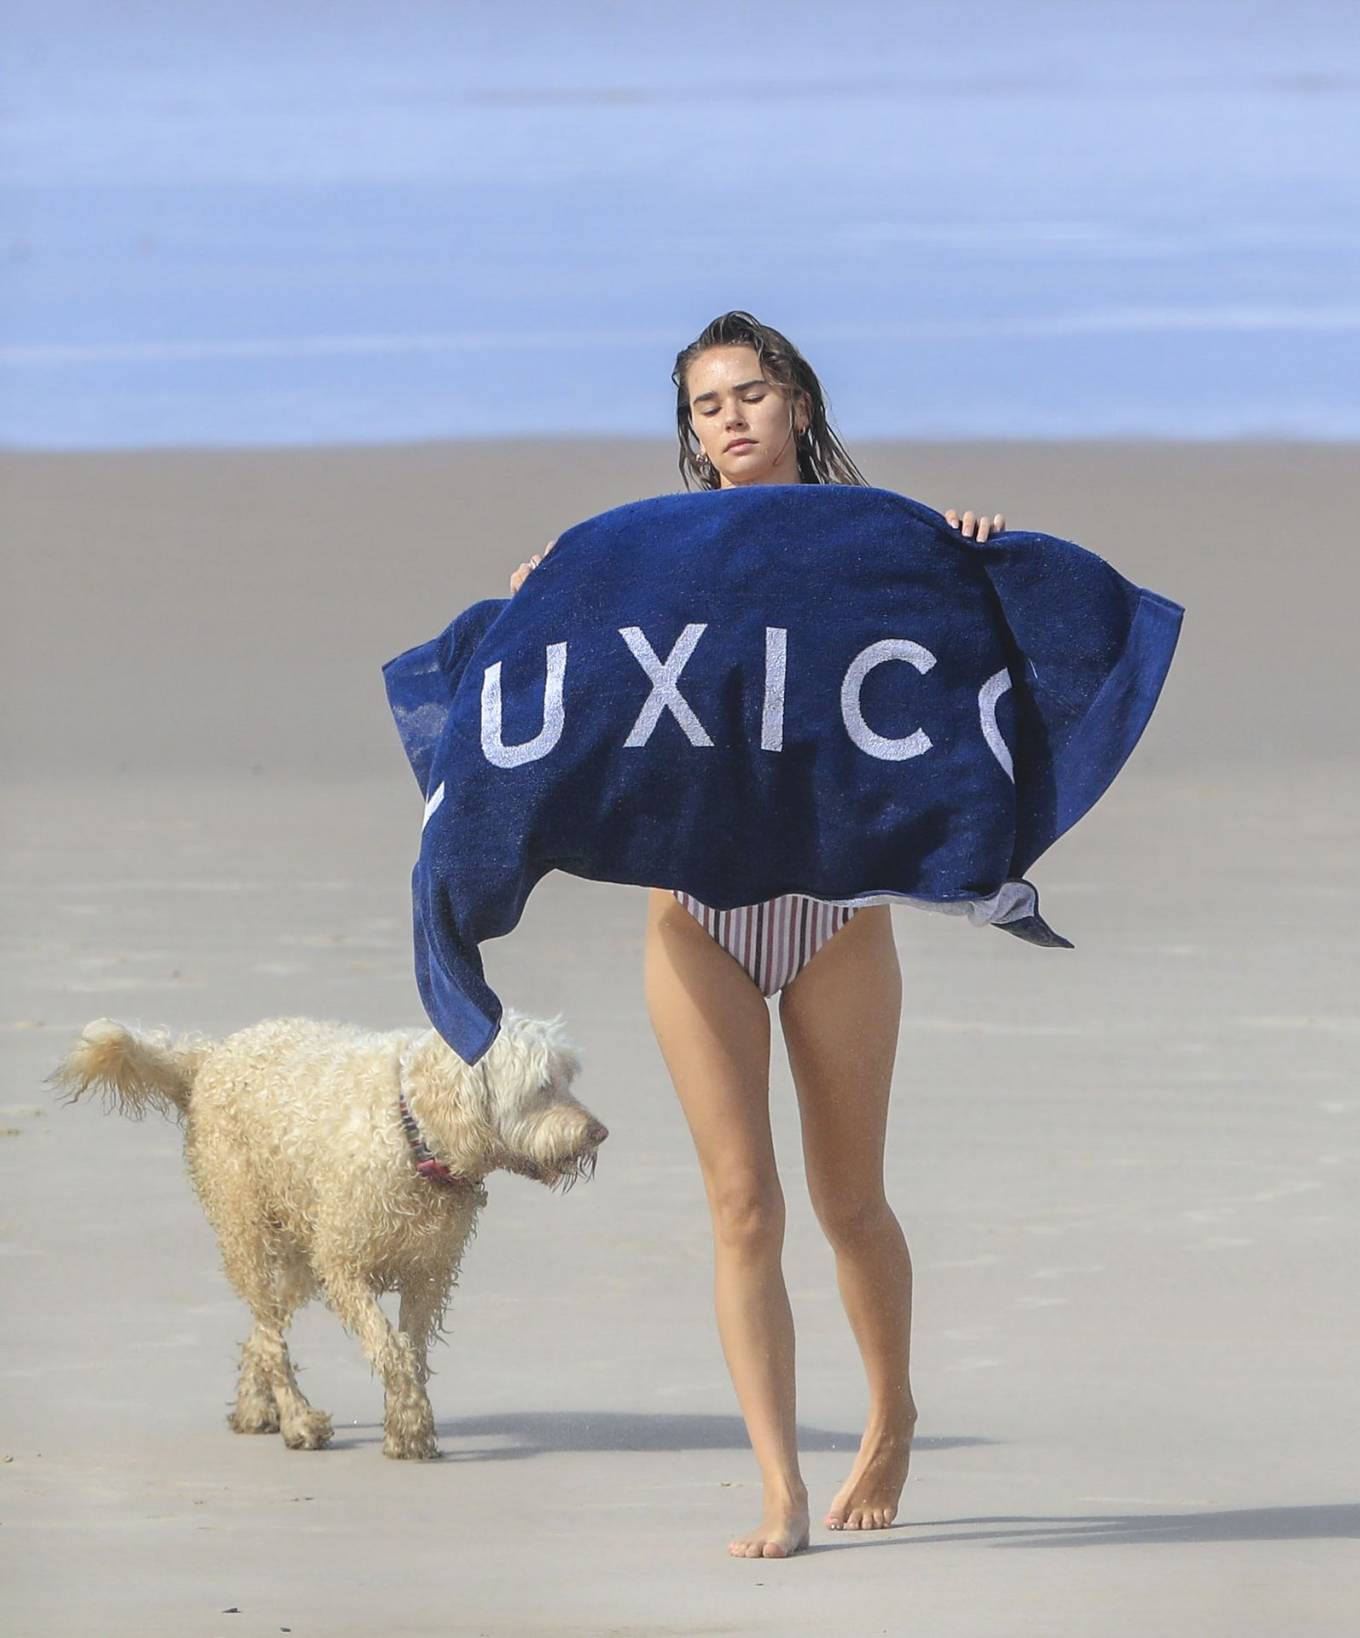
<point>297,1153</point>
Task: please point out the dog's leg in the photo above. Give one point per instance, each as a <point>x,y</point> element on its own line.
<point>408,1421</point>
<point>257,1410</point>
<point>422,1304</point>
<point>268,1396</point>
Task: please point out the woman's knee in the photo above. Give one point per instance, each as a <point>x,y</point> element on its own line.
<point>849,1223</point>
<point>748,1213</point>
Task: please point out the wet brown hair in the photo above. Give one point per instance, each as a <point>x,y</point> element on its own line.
<point>822,458</point>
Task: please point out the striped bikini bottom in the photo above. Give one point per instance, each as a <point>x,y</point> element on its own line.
<point>773,940</point>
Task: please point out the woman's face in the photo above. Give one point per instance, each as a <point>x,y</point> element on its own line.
<point>730,400</point>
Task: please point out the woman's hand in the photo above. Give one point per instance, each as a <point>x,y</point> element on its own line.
<point>522,573</point>
<point>983,527</point>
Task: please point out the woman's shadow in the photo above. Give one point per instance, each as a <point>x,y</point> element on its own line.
<point>521,1435</point>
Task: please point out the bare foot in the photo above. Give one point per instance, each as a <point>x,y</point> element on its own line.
<point>783,1531</point>
<point>868,1499</point>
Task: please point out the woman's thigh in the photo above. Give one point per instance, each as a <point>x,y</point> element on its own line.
<point>713,1027</point>
<point>840,1017</point>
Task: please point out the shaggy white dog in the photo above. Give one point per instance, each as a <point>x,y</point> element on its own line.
<point>335,1159</point>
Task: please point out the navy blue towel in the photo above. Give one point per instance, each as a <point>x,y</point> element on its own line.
<point>780,688</point>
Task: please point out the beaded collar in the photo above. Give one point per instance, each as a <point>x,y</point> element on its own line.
<point>427,1164</point>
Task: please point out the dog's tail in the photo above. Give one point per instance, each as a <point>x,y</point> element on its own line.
<point>137,1069</point>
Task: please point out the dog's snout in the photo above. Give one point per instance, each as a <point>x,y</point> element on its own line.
<point>596,1133</point>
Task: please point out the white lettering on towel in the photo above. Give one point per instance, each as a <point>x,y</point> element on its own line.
<point>436,796</point>
<point>891,648</point>
<point>772,712</point>
<point>665,695</point>
<point>990,692</point>
<point>494,748</point>
<point>665,677</point>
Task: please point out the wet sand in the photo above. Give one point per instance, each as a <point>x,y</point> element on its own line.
<point>1127,1172</point>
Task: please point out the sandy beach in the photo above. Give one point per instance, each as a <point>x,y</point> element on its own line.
<point>1127,1172</point>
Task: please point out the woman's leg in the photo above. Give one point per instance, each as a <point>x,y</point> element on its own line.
<point>840,1019</point>
<point>713,1027</point>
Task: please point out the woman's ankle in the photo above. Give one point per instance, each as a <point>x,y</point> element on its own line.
<point>786,1491</point>
<point>891,1423</point>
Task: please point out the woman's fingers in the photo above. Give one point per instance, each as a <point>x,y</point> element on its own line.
<point>974,526</point>
<point>522,573</point>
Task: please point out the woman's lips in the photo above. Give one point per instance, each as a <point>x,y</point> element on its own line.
<point>741,443</point>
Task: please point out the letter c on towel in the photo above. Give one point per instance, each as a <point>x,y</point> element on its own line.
<point>990,692</point>
<point>891,648</point>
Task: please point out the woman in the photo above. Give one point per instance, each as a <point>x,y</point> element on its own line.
<point>755,409</point>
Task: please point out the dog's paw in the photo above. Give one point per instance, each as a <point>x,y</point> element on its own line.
<point>421,1447</point>
<point>309,1431</point>
<point>259,1421</point>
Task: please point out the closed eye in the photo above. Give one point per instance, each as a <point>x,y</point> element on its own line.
<point>755,399</point>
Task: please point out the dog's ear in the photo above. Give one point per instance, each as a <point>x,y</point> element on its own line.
<point>564,1052</point>
<point>429,1062</point>
<point>532,1053</point>
<point>568,1055</point>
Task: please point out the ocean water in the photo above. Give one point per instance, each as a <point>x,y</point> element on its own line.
<point>291,224</point>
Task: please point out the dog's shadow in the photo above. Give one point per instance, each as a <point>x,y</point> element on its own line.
<point>514,1436</point>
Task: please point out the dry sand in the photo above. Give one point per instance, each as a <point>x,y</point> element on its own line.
<point>1127,1172</point>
